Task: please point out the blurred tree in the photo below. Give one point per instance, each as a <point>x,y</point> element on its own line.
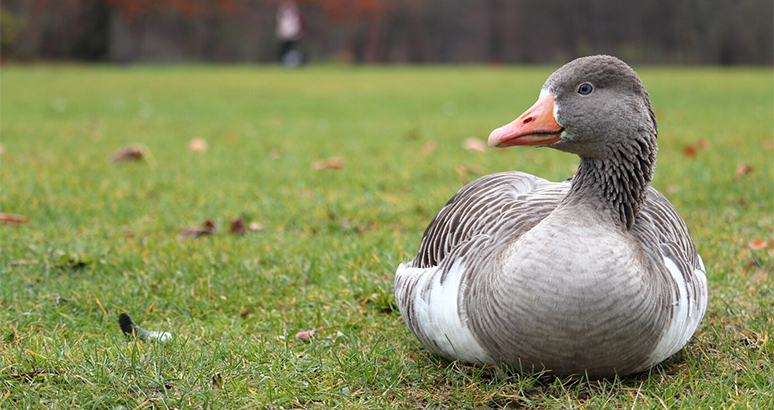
<point>405,31</point>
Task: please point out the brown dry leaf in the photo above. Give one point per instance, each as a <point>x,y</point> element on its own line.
<point>392,198</point>
<point>130,153</point>
<point>305,194</point>
<point>32,375</point>
<point>197,145</point>
<point>24,262</point>
<point>758,244</point>
<point>217,381</point>
<point>330,163</point>
<point>245,313</point>
<point>305,335</point>
<point>429,147</point>
<point>12,219</point>
<point>743,169</point>
<point>474,144</point>
<point>463,169</point>
<point>237,227</point>
<point>690,151</point>
<point>255,226</point>
<point>703,143</point>
<point>208,228</point>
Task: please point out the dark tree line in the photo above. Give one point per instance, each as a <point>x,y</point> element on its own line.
<point>401,31</point>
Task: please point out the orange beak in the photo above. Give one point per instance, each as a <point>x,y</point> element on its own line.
<point>537,127</point>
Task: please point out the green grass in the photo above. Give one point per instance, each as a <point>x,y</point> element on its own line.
<point>106,236</point>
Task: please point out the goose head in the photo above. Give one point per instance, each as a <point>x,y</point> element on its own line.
<point>594,107</point>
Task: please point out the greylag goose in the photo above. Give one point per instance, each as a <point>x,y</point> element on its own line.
<point>596,276</point>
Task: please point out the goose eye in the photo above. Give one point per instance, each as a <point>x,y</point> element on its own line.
<point>585,89</point>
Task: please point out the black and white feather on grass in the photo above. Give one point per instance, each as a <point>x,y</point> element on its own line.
<point>131,329</point>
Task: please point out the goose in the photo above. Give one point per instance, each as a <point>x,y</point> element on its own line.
<point>595,276</point>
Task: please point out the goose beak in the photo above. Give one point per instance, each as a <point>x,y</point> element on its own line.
<point>536,127</point>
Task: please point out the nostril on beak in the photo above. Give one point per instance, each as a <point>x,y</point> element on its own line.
<point>528,120</point>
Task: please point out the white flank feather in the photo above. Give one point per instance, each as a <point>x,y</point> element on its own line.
<point>689,305</point>
<point>438,314</point>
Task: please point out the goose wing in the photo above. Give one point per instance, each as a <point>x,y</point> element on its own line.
<point>506,205</point>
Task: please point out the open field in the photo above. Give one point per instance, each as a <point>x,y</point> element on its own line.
<point>103,237</point>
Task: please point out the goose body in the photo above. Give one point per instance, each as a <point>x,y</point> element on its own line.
<point>597,275</point>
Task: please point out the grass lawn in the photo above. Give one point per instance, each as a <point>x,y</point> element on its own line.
<point>103,238</point>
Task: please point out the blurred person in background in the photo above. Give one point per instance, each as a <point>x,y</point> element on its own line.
<point>290,29</point>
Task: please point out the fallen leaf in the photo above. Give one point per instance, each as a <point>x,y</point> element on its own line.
<point>703,144</point>
<point>474,144</point>
<point>163,388</point>
<point>208,228</point>
<point>330,163</point>
<point>305,335</point>
<point>73,261</point>
<point>305,194</point>
<point>130,153</point>
<point>245,313</point>
<point>12,219</point>
<point>463,169</point>
<point>758,244</point>
<point>31,375</point>
<point>255,226</point>
<point>197,145</point>
<point>689,151</point>
<point>23,262</point>
<point>237,227</point>
<point>392,198</point>
<point>743,169</point>
<point>217,381</point>
<point>429,147</point>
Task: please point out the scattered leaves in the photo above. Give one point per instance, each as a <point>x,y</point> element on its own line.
<point>429,147</point>
<point>197,145</point>
<point>13,219</point>
<point>305,335</point>
<point>255,227</point>
<point>237,227</point>
<point>690,151</point>
<point>743,169</point>
<point>208,228</point>
<point>330,163</point>
<point>474,144</point>
<point>463,169</point>
<point>130,153</point>
<point>758,244</point>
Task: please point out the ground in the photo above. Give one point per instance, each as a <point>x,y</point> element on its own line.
<point>104,237</point>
